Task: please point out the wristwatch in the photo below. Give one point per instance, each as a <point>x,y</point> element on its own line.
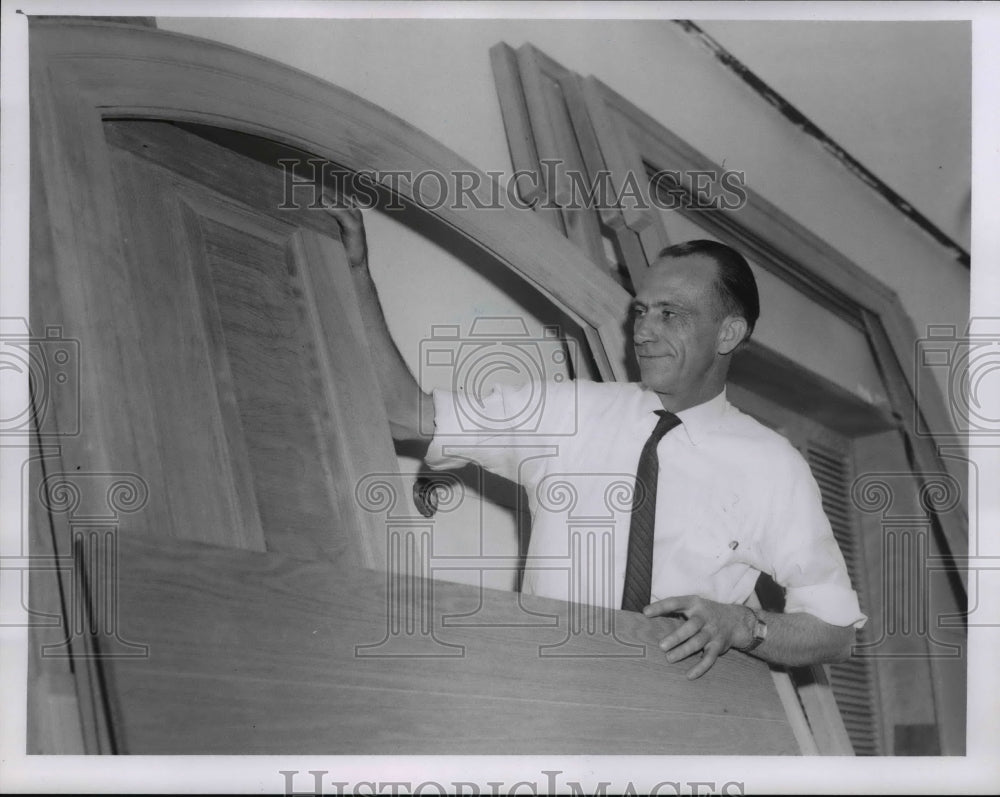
<point>759,632</point>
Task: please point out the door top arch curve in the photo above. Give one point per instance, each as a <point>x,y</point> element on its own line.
<point>113,70</point>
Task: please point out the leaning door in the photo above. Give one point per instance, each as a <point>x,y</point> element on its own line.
<point>260,415</point>
<point>216,390</point>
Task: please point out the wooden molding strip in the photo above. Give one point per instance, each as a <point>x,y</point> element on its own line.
<point>551,90</point>
<point>923,451</point>
<point>560,116</point>
<point>514,111</point>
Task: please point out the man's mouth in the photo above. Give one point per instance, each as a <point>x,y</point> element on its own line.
<point>644,356</point>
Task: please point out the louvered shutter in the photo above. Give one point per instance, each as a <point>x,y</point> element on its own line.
<point>853,681</point>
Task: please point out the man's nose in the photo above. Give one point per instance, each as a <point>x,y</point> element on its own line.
<point>642,332</point>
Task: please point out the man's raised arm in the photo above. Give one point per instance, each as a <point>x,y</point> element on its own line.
<point>404,402</point>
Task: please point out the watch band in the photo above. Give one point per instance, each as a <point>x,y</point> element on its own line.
<point>759,632</point>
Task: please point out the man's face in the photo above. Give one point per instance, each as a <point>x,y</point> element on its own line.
<point>677,327</point>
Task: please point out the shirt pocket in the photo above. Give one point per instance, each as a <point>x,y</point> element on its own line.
<point>717,530</point>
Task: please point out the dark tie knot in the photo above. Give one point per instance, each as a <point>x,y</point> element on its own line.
<point>666,422</point>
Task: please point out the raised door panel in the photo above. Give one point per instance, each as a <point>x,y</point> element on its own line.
<point>265,416</point>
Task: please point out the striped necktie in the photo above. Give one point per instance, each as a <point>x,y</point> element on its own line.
<point>639,567</point>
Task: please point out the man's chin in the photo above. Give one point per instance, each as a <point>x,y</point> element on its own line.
<point>655,381</point>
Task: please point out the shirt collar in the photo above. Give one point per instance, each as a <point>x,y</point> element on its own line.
<point>700,419</point>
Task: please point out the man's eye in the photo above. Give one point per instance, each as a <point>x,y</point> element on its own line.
<point>667,313</point>
<point>635,311</point>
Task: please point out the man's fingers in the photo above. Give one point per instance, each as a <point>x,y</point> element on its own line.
<point>707,660</point>
<point>680,634</point>
<point>689,648</point>
<point>701,632</point>
<point>350,216</point>
<point>668,606</point>
<point>351,223</point>
<point>341,207</point>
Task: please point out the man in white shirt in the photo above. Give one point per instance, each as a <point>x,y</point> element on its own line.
<point>732,498</point>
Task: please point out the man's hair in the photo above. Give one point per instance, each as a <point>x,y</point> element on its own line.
<point>735,286</point>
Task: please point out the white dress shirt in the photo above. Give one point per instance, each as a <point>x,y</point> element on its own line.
<point>734,498</point>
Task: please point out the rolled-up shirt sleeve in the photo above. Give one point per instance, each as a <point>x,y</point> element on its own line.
<point>804,554</point>
<point>500,431</point>
<point>458,439</point>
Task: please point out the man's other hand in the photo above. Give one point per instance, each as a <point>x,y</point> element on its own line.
<point>712,628</point>
<point>352,227</point>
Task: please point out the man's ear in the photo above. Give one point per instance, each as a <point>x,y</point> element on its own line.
<point>731,334</point>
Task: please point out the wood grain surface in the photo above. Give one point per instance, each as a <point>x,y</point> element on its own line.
<point>259,653</point>
<point>267,414</point>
